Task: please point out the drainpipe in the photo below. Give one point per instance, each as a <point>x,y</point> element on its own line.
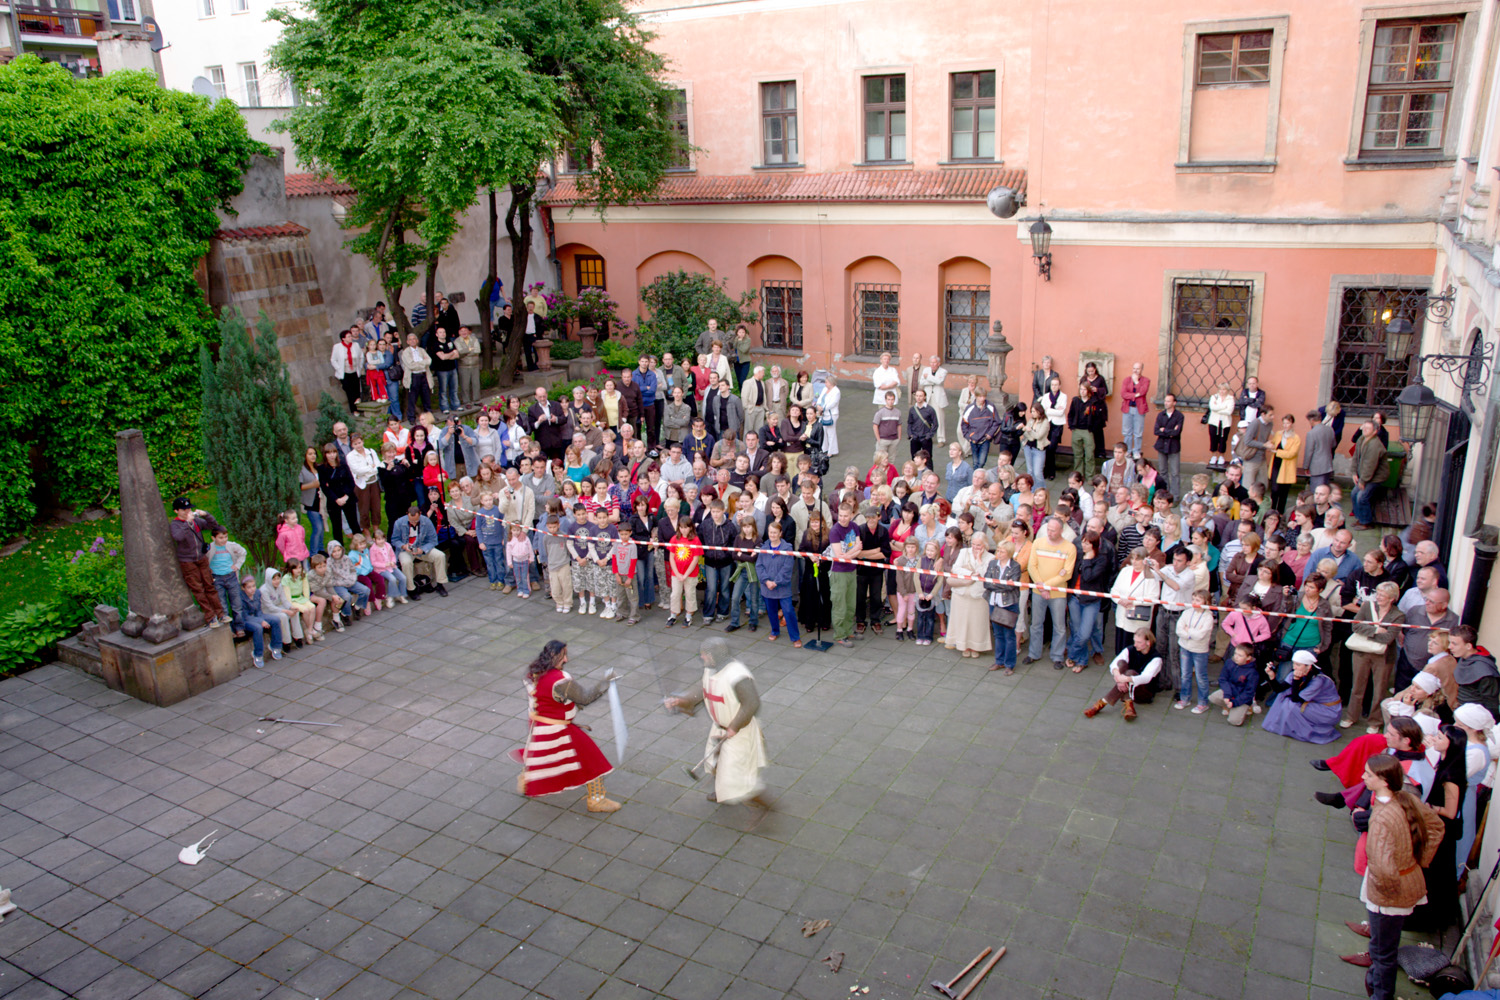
<point>1451,203</point>
<point>1485,551</point>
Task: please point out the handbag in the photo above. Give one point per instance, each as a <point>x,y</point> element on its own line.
<point>1364,644</point>
<point>1205,417</point>
<point>1003,616</point>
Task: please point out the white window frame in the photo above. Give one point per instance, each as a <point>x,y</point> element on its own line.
<point>205,8</point>
<point>218,79</point>
<point>239,6</point>
<point>795,79</point>
<point>250,77</point>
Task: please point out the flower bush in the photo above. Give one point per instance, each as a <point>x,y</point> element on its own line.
<point>95,575</point>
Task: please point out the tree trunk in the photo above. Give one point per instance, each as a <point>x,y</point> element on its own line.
<point>430,291</point>
<point>486,315</point>
<point>518,228</point>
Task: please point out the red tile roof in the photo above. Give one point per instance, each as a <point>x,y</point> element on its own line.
<point>960,184</point>
<point>312,186</point>
<point>260,232</point>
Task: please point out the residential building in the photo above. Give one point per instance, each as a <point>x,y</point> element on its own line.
<point>64,32</point>
<point>226,42</point>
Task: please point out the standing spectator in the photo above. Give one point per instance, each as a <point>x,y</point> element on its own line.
<point>469,349</point>
<point>1288,446</point>
<point>776,568</point>
<point>874,546</point>
<point>683,554</point>
<point>1080,420</point>
<point>1092,574</point>
<point>1041,378</point>
<point>312,497</point>
<point>415,364</point>
<point>518,558</point>
<point>549,424</point>
<point>1220,417</point>
<point>922,422</point>
<point>1195,635</point>
<point>933,381</point>
<point>338,489</point>
<point>778,394</point>
<point>886,379</point>
<point>1135,400</point>
<point>631,404</point>
<point>653,401</point>
<point>1051,569</point>
<point>717,534</point>
<point>978,425</point>
<point>1034,439</point>
<point>828,409</point>
<point>348,360</point>
<point>445,367</point>
<point>1252,401</point>
<point>1098,396</point>
<point>887,425</point>
<point>1318,449</point>
<point>843,540</point>
<point>969,629</point>
<point>1254,444</point>
<point>739,353</point>
<point>753,399</point>
<point>1168,431</point>
<point>535,326</point>
<point>375,351</point>
<point>1055,405</point>
<point>1371,467</point>
<point>1373,643</point>
<point>364,466</point>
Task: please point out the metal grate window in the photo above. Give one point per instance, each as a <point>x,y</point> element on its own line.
<point>781,307</point>
<point>877,318</point>
<point>1210,337</point>
<point>1363,380</point>
<point>678,117</point>
<point>966,321</point>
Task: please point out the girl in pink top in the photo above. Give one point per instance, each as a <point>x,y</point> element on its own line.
<point>383,560</point>
<point>518,556</point>
<point>291,538</point>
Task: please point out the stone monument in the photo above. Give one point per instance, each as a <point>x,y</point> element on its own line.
<point>162,653</point>
<point>996,347</point>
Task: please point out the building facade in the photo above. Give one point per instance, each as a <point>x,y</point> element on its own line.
<point>64,32</point>
<point>1230,193</point>
<point>227,43</point>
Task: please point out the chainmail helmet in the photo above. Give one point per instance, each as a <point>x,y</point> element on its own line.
<point>716,652</point>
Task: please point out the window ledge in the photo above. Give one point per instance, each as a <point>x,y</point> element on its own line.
<point>1227,167</point>
<point>779,166</point>
<point>868,359</point>
<point>682,170</point>
<point>781,352</point>
<point>884,165</point>
<point>978,367</point>
<point>1397,163</point>
<point>981,162</point>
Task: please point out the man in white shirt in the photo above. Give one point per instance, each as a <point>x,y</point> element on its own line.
<point>886,379</point>
<point>1178,582</point>
<point>676,468</point>
<point>415,364</point>
<point>968,497</point>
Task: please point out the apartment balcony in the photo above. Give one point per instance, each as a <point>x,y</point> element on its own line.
<point>70,26</point>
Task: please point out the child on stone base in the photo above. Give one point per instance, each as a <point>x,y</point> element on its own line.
<point>224,561</point>
<point>559,565</point>
<point>518,556</point>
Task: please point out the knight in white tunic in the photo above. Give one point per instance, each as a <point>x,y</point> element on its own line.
<point>736,750</point>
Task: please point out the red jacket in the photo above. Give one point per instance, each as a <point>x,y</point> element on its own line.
<point>1136,399</point>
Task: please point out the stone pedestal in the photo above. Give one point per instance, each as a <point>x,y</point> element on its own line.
<point>172,671</point>
<point>530,380</point>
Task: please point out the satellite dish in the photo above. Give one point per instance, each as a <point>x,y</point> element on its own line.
<point>204,87</point>
<point>150,27</point>
<point>1003,202</point>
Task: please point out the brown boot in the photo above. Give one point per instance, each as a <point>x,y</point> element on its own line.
<point>1128,712</point>
<point>1094,709</point>
<point>596,801</point>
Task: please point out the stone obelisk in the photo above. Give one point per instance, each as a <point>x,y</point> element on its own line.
<point>162,653</point>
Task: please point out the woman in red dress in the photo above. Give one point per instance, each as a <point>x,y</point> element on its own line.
<point>558,754</point>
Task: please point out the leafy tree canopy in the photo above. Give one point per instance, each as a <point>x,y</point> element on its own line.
<point>682,303</point>
<point>107,194</point>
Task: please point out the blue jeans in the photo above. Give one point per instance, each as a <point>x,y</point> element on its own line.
<point>355,596</point>
<point>522,581</point>
<point>256,626</point>
<point>1364,503</point>
<point>447,390</point>
<point>1194,665</point>
<point>395,583</point>
<point>393,394</point>
<point>229,596</point>
<point>1057,607</point>
<point>1081,637</point>
<point>784,606</point>
<point>981,452</point>
<point>645,579</point>
<point>743,588</point>
<point>1004,637</point>
<point>716,592</point>
<point>315,542</point>
<point>1035,462</point>
<point>1134,425</point>
<point>494,563</point>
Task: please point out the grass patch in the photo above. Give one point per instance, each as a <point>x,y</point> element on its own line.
<point>27,575</point>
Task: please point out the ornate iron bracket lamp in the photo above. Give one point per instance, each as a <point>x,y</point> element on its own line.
<point>1469,372</point>
<point>1041,247</point>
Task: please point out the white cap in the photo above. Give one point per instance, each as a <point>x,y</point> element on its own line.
<point>1428,722</point>
<point>1475,716</point>
<point>1305,656</point>
<point>1427,682</point>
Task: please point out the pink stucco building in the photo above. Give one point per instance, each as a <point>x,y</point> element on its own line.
<point>1232,190</point>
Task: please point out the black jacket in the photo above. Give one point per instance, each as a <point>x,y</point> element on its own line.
<point>1169,432</point>
<point>724,534</point>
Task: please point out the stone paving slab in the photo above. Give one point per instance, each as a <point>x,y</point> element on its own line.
<point>923,806</point>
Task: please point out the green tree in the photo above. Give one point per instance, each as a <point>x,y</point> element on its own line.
<point>417,104</point>
<point>420,104</point>
<point>252,432</point>
<point>108,188</point>
<point>330,412</point>
<point>682,303</point>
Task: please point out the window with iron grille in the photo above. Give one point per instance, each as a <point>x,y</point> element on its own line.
<point>781,313</point>
<point>678,117</point>
<point>1411,85</point>
<point>885,118</point>
<point>578,161</point>
<point>966,321</point>
<point>778,122</point>
<point>1363,380</point>
<point>1210,337</point>
<point>972,116</point>
<point>877,318</point>
<point>1237,57</point>
<point>590,271</point>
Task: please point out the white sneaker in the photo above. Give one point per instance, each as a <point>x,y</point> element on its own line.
<point>688,621</point>
<point>561,610</point>
<point>401,599</point>
<point>583,605</point>
<point>390,602</point>
<point>318,627</point>
<point>607,613</point>
<point>591,607</point>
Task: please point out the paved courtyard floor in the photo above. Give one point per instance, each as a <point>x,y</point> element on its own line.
<point>924,807</point>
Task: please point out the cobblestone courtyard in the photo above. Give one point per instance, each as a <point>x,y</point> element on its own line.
<point>924,807</point>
